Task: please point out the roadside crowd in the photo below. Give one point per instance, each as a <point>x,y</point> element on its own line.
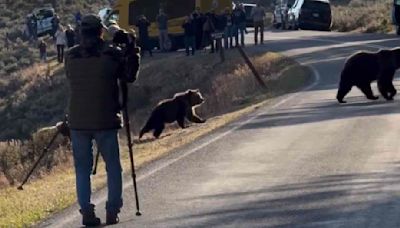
<point>201,30</point>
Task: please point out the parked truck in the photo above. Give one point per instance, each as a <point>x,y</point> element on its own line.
<point>126,13</point>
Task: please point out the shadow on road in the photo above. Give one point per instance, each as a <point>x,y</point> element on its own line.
<point>324,111</point>
<point>348,200</point>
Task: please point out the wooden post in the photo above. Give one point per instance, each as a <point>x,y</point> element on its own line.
<point>252,68</point>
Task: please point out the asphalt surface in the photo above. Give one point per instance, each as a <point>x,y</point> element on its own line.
<point>302,161</point>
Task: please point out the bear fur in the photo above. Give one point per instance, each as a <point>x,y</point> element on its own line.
<point>362,68</point>
<point>178,108</point>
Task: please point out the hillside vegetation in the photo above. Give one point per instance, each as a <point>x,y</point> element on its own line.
<point>370,16</point>
<point>21,53</point>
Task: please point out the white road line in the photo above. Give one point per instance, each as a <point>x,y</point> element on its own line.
<point>341,44</point>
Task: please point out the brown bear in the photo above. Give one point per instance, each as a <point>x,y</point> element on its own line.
<point>362,68</point>
<point>178,108</point>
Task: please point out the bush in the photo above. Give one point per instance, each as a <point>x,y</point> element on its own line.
<point>11,68</point>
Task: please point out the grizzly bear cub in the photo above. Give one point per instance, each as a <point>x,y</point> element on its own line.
<point>362,68</point>
<point>178,108</point>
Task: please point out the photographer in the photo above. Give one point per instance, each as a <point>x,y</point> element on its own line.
<point>94,69</point>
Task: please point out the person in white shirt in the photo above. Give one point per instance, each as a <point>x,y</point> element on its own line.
<point>61,41</point>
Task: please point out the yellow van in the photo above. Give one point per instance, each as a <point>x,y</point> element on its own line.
<point>126,13</point>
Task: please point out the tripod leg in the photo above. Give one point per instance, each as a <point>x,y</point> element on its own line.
<point>45,151</point>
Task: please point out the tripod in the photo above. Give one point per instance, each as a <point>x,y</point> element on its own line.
<point>62,129</point>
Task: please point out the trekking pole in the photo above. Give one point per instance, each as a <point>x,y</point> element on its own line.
<point>45,151</point>
<point>124,88</point>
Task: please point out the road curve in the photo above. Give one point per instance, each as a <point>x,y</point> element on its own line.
<point>302,161</point>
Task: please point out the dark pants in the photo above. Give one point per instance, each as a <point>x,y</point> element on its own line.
<point>190,42</point>
<point>258,27</point>
<point>199,36</point>
<point>208,40</point>
<point>144,44</point>
<point>60,53</point>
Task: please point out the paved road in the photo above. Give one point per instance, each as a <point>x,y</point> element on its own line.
<point>303,161</point>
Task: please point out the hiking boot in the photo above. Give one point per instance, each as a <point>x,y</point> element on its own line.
<point>112,218</point>
<point>89,217</point>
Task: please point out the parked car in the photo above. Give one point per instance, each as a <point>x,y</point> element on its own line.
<point>310,14</point>
<point>44,17</point>
<point>248,8</point>
<point>396,15</point>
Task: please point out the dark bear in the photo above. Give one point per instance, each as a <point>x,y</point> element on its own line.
<point>178,108</point>
<point>362,68</point>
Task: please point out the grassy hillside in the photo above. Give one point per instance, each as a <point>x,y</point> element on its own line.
<point>20,52</point>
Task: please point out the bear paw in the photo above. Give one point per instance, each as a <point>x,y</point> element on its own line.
<point>373,98</point>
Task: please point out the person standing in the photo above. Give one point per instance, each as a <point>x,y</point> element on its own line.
<point>43,50</point>
<point>239,24</point>
<point>60,43</point>
<point>55,22</point>
<point>143,26</point>
<point>208,30</point>
<point>70,36</point>
<point>198,21</point>
<point>162,21</point>
<point>258,15</point>
<point>34,27</point>
<point>78,17</point>
<point>189,39</point>
<point>228,32</point>
<point>94,112</point>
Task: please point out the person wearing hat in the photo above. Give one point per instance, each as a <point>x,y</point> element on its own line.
<point>94,69</point>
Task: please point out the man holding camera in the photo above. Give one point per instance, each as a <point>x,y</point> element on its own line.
<point>94,70</point>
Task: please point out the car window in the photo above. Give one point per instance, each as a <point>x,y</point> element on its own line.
<point>248,10</point>
<point>316,5</point>
<point>397,2</point>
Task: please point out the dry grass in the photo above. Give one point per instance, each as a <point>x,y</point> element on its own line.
<point>228,87</point>
<point>370,16</point>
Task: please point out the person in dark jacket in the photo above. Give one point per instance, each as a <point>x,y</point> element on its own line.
<point>43,50</point>
<point>208,30</point>
<point>143,25</point>
<point>228,30</point>
<point>55,22</point>
<point>239,23</point>
<point>70,35</point>
<point>190,39</point>
<point>94,112</point>
<point>198,21</point>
